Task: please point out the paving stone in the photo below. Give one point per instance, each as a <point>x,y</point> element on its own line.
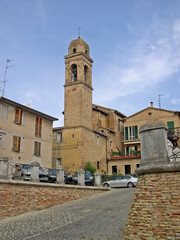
<point>99,217</point>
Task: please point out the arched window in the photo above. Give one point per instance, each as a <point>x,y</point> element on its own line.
<point>85,73</point>
<point>74,50</point>
<point>74,72</point>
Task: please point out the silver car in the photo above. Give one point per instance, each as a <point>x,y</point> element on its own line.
<point>122,181</point>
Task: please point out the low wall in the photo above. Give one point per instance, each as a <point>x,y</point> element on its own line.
<point>19,197</point>
<point>155,211</point>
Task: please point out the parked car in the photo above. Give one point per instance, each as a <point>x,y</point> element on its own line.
<point>88,178</point>
<point>43,175</point>
<point>23,172</point>
<point>122,181</point>
<point>68,178</point>
<point>52,175</point>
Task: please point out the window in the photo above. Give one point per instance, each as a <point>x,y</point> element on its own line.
<point>111,143</point>
<point>131,132</point>
<point>38,127</point>
<point>170,126</point>
<point>114,169</point>
<point>85,73</point>
<point>74,73</point>
<point>37,148</point>
<point>18,116</point>
<point>98,140</point>
<point>97,164</point>
<point>2,140</point>
<point>16,144</point>
<point>102,131</point>
<point>59,137</point>
<point>131,150</point>
<point>74,50</point>
<point>72,135</point>
<point>137,165</point>
<point>127,169</point>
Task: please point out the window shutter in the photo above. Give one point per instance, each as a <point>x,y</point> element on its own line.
<point>136,132</point>
<point>170,126</point>
<point>18,116</point>
<point>126,132</point>
<point>16,143</point>
<point>37,148</point>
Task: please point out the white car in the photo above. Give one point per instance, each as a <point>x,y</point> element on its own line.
<point>122,181</point>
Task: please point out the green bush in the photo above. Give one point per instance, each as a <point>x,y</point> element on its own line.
<point>89,167</point>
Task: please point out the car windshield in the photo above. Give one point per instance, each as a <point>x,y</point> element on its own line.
<point>87,174</point>
<point>27,166</point>
<point>52,171</point>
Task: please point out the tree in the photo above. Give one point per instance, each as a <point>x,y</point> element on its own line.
<point>89,167</point>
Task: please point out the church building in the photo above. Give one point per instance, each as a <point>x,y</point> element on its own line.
<point>91,132</point>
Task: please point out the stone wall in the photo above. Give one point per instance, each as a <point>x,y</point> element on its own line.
<point>20,197</point>
<point>155,211</point>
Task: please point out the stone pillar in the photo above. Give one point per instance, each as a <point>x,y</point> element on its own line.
<point>4,168</point>
<point>154,212</point>
<point>81,173</point>
<point>97,179</point>
<point>154,153</point>
<point>60,175</point>
<point>35,172</point>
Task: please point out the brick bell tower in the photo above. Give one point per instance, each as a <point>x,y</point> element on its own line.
<point>78,86</point>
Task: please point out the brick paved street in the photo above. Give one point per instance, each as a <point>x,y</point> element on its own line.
<point>100,217</point>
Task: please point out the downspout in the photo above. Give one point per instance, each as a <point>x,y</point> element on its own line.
<point>106,156</point>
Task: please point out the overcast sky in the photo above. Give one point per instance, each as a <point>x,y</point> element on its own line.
<point>135,45</point>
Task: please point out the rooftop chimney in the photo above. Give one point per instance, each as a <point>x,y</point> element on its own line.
<point>151,104</point>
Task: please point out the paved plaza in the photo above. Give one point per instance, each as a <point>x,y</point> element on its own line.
<point>99,217</point>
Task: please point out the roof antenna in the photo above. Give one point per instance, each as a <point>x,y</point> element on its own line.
<point>160,95</point>
<point>79,31</point>
<point>5,74</point>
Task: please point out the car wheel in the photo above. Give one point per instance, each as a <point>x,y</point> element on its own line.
<point>106,185</point>
<point>130,185</point>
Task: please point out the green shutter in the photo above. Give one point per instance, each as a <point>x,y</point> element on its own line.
<point>136,132</point>
<point>127,151</point>
<point>170,126</point>
<point>126,132</point>
<point>135,148</point>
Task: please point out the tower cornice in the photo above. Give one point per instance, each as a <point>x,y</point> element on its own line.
<point>71,56</point>
<point>77,83</point>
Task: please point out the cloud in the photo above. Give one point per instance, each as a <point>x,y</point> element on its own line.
<point>175,101</point>
<point>152,60</point>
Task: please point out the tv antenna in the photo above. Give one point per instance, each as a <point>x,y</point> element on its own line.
<point>5,75</point>
<point>79,31</point>
<point>160,95</point>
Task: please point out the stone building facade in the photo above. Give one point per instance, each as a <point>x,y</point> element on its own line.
<point>25,134</point>
<point>132,144</point>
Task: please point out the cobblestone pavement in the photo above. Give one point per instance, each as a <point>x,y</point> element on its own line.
<point>99,217</point>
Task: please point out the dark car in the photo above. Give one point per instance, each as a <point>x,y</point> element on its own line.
<point>68,178</point>
<point>88,178</point>
<point>52,175</point>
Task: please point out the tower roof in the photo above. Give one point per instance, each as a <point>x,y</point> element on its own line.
<point>78,45</point>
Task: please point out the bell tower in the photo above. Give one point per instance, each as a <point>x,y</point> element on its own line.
<point>78,86</point>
